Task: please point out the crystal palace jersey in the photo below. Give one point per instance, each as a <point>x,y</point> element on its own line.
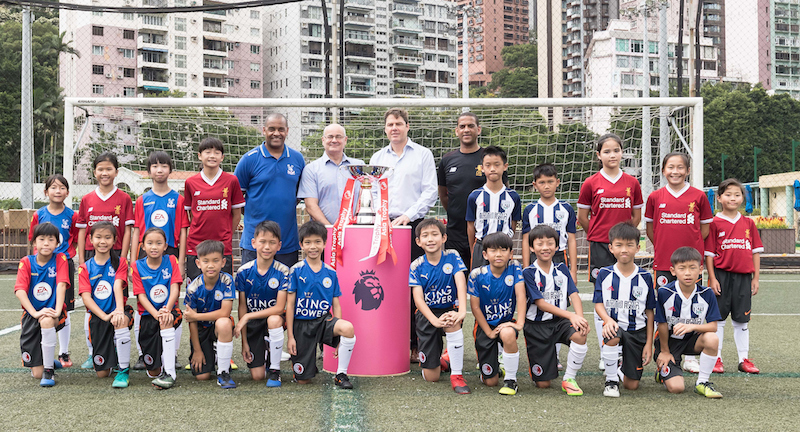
<point>211,202</point>
<point>116,207</point>
<point>554,287</point>
<point>560,216</point>
<point>155,283</point>
<point>259,290</point>
<point>610,201</point>
<point>493,212</point>
<point>676,219</point>
<point>65,222</point>
<point>202,299</point>
<point>732,243</point>
<point>625,298</point>
<point>166,212</point>
<point>675,308</point>
<point>99,280</point>
<point>497,297</point>
<point>40,281</point>
<point>315,291</point>
<point>437,281</point>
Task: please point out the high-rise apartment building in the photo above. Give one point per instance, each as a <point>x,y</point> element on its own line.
<point>783,72</point>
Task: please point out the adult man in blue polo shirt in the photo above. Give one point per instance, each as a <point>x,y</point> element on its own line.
<point>269,176</point>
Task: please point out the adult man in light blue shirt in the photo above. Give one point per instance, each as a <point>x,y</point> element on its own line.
<point>322,185</point>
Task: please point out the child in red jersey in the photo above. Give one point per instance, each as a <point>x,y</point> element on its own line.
<point>733,262</point>
<point>105,203</point>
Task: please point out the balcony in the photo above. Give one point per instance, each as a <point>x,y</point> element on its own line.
<point>406,26</point>
<point>406,76</point>
<point>399,8</point>
<point>361,38</point>
<point>359,56</point>
<point>406,92</point>
<point>360,89</point>
<point>405,60</point>
<point>214,88</point>
<point>359,4</point>
<point>150,79</point>
<point>360,71</point>
<point>214,66</point>
<point>359,20</point>
<point>153,60</point>
<point>220,15</point>
<point>214,47</point>
<point>153,22</point>
<point>309,68</point>
<point>403,42</point>
<point>153,42</point>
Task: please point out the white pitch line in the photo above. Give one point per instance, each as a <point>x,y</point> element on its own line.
<point>11,329</point>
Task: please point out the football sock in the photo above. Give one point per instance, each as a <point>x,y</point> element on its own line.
<point>276,347</point>
<point>168,351</point>
<point>122,340</point>
<point>224,354</point>
<point>511,364</point>
<point>86,332</point>
<point>558,351</point>
<point>48,347</point>
<point>455,347</point>
<point>178,334</point>
<point>707,363</point>
<point>575,359</point>
<point>741,335</point>
<point>598,330</point>
<point>346,345</point>
<point>266,343</point>
<point>720,333</point>
<point>610,361</point>
<point>63,335</point>
<point>137,322</point>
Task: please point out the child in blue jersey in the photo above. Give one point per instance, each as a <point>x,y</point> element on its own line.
<point>42,282</point>
<point>262,286</point>
<point>550,290</point>
<point>625,300</point>
<point>209,301</point>
<point>493,207</point>
<point>686,316</point>
<point>496,290</point>
<point>56,189</point>
<point>102,280</point>
<point>313,313</point>
<point>439,287</point>
<point>156,284</point>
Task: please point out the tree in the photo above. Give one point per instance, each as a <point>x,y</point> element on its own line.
<point>520,75</point>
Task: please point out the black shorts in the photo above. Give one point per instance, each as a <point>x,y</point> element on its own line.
<point>677,347</point>
<point>477,256</point>
<point>101,334</point>
<point>486,349</point>
<point>30,338</point>
<point>429,339</point>
<point>665,277</point>
<point>192,271</point>
<point>735,298</point>
<point>150,337</point>
<point>559,257</point>
<point>207,337</point>
<point>170,251</point>
<point>256,331</point>
<point>599,256</point>
<point>541,338</point>
<point>69,296</point>
<point>461,247</point>
<point>633,343</point>
<point>308,334</point>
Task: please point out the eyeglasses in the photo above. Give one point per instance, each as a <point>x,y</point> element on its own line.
<point>336,137</point>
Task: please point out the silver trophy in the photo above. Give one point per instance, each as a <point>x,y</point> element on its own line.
<point>366,175</point>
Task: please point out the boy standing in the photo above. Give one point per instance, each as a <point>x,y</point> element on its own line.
<point>733,259</point>
<point>262,286</point>
<point>625,300</point>
<point>496,290</point>
<point>492,208</point>
<point>550,290</point>
<point>440,308</point>
<point>209,301</point>
<point>686,316</point>
<point>313,294</point>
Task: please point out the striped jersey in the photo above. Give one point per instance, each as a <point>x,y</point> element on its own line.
<point>493,212</point>
<point>625,298</point>
<point>437,281</point>
<point>560,216</point>
<point>554,286</point>
<point>697,308</point>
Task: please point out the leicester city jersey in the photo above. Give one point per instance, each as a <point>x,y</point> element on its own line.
<point>259,290</point>
<point>675,308</point>
<point>99,279</point>
<point>625,298</point>
<point>315,291</point>
<point>203,300</point>
<point>155,283</point>
<point>554,287</point>
<point>497,297</point>
<point>437,281</point>
<point>160,212</point>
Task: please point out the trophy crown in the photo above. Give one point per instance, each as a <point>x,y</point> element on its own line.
<point>371,171</point>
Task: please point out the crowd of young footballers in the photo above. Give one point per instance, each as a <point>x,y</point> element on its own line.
<point>638,318</point>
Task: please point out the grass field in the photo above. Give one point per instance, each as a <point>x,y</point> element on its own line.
<point>81,401</point>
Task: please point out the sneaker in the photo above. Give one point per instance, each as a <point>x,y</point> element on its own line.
<point>188,366</point>
<point>342,380</point>
<point>444,362</point>
<point>719,367</point>
<point>571,387</point>
<point>225,381</point>
<point>707,389</point>
<point>602,365</point>
<point>139,365</point>
<point>65,361</point>
<point>747,366</point>
<point>560,367</point>
<point>691,365</point>
<point>659,378</point>
<point>285,356</point>
<point>414,356</point>
<point>458,384</point>
<point>48,378</point>
<point>163,381</point>
<point>274,378</point>
<point>509,388</point>
<point>233,365</point>
<point>57,364</point>
<point>178,364</point>
<point>122,379</point>
<point>612,389</point>
<point>88,364</point>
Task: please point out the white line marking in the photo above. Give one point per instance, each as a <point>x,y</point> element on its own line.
<point>11,329</point>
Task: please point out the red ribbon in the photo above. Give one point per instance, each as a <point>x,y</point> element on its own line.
<point>345,218</point>
<point>386,226</point>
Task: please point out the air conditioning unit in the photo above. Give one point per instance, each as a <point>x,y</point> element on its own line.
<point>452,74</point>
<point>120,49</point>
<point>108,75</point>
<point>194,76</point>
<point>236,44</point>
<point>194,39</point>
<point>236,80</point>
<point>304,25</point>
<point>194,21</point>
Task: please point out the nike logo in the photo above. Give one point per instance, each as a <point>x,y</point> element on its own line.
<point>638,368</point>
<point>747,313</point>
<point>169,340</point>
<point>125,342</point>
<point>458,347</point>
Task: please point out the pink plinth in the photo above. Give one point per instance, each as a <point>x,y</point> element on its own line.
<point>382,326</point>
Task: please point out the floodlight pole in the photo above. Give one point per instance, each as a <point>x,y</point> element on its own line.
<point>26,125</point>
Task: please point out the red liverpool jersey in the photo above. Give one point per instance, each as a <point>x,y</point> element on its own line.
<point>116,207</point>
<point>732,243</point>
<point>610,201</point>
<point>211,202</point>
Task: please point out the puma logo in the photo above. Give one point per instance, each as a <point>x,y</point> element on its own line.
<point>302,279</point>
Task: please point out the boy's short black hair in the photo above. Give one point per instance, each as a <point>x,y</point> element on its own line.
<point>106,157</point>
<point>45,229</point>
<point>728,183</point>
<point>211,143</point>
<point>685,254</point>
<point>155,230</point>
<point>542,232</point>
<point>494,150</point>
<point>268,226</point>
<point>544,170</point>
<point>497,240</point>
<point>208,247</point>
<point>427,223</point>
<point>312,228</point>
<point>623,231</point>
<point>159,157</point>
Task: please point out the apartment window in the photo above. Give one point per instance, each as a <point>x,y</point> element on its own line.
<point>153,20</point>
<point>180,3</point>
<point>97,13</point>
<point>229,82</point>
<point>128,34</point>
<point>254,119</point>
<point>255,49</point>
<point>653,47</point>
<point>255,32</point>
<point>254,14</point>
<point>180,79</point>
<point>627,79</point>
<point>128,53</point>
<point>623,45</point>
<point>97,50</point>
<point>255,84</point>
<point>97,31</point>
<point>228,29</point>
<point>129,92</point>
<point>180,24</point>
<point>180,61</point>
<point>180,42</point>
<point>98,127</point>
<point>129,72</point>
<point>229,64</point>
<point>127,16</point>
<point>255,67</point>
<point>622,62</point>
<point>97,89</point>
<point>98,69</point>
<point>636,46</point>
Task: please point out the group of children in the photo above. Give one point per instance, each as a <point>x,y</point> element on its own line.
<point>636,320</point>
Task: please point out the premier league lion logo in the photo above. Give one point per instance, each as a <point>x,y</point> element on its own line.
<point>368,291</point>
